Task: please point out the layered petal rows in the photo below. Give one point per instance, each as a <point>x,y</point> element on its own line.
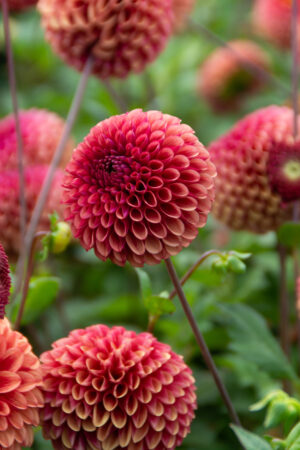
<point>41,133</point>
<point>110,389</point>
<point>226,77</point>
<point>5,281</point>
<point>245,197</point>
<point>10,207</point>
<point>138,188</point>
<point>122,36</point>
<point>20,394</point>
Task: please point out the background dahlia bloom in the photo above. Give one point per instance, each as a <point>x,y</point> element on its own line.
<point>182,9</point>
<point>224,81</point>
<point>245,199</point>
<point>5,281</point>
<point>112,388</point>
<point>122,36</point>
<point>41,133</point>
<point>20,395</point>
<point>272,20</point>
<point>9,203</point>
<point>16,5</point>
<point>138,188</point>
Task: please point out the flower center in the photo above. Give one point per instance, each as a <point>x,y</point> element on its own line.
<point>112,169</point>
<point>291,170</point>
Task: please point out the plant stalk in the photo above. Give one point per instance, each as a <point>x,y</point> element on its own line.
<point>283,302</point>
<point>202,344</point>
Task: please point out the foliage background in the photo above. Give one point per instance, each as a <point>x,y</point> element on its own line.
<point>91,291</point>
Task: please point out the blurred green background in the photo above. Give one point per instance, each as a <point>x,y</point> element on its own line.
<point>91,291</point>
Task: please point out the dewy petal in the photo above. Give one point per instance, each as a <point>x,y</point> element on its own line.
<point>144,383</point>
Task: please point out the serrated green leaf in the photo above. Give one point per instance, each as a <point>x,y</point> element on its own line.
<point>41,294</point>
<point>249,440</point>
<point>289,234</point>
<point>157,305</point>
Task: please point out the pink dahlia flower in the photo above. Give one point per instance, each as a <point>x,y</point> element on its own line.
<point>224,79</point>
<point>20,395</point>
<point>112,388</point>
<point>272,19</point>
<point>16,5</point>
<point>182,9</point>
<point>9,203</point>
<point>122,36</point>
<point>245,197</point>
<point>138,188</point>
<point>4,281</point>
<point>41,133</point>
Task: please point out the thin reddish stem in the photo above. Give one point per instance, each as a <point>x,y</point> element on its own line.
<point>39,207</point>
<point>202,344</point>
<point>13,91</point>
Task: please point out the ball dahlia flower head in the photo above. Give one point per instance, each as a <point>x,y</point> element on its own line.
<point>10,208</point>
<point>226,77</point>
<point>5,281</point>
<point>17,5</point>
<point>20,394</point>
<point>110,389</point>
<point>258,165</point>
<point>41,132</point>
<point>122,36</point>
<point>272,20</point>
<point>138,188</point>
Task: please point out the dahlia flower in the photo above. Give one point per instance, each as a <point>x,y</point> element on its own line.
<point>123,37</point>
<point>245,198</point>
<point>16,5</point>
<point>224,80</point>
<point>112,389</point>
<point>182,9</point>
<point>284,171</point>
<point>41,133</point>
<point>138,188</point>
<point>272,20</point>
<point>9,203</point>
<point>20,396</point>
<point>4,281</point>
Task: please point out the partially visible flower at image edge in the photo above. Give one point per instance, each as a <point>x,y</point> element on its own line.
<point>16,5</point>
<point>138,188</point>
<point>112,388</point>
<point>5,281</point>
<point>20,394</point>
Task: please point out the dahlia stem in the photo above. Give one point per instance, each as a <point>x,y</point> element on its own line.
<point>283,302</point>
<point>252,68</point>
<point>36,215</point>
<point>118,99</point>
<point>201,342</point>
<point>13,91</point>
<point>193,268</point>
<point>29,271</point>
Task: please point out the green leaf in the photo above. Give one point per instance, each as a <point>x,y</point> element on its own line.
<point>145,283</point>
<point>289,234</point>
<point>157,305</point>
<point>293,439</point>
<point>250,440</point>
<point>240,255</point>
<point>41,294</point>
<point>235,264</point>
<point>54,218</point>
<point>278,412</point>
<point>252,340</point>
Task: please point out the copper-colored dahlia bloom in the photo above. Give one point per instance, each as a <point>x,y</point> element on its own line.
<point>245,198</point>
<point>112,388</point>
<point>9,203</point>
<point>16,5</point>
<point>20,395</point>
<point>5,281</point>
<point>182,9</point>
<point>122,36</point>
<point>272,19</point>
<point>224,79</point>
<point>41,133</point>
<point>138,188</point>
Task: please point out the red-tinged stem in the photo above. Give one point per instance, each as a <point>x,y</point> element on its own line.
<point>29,271</point>
<point>13,91</point>
<point>193,269</point>
<point>202,344</point>
<point>252,68</point>
<point>39,207</point>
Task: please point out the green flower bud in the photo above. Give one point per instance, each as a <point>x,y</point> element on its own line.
<point>60,238</point>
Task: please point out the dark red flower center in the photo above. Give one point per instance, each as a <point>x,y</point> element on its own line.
<point>112,170</point>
